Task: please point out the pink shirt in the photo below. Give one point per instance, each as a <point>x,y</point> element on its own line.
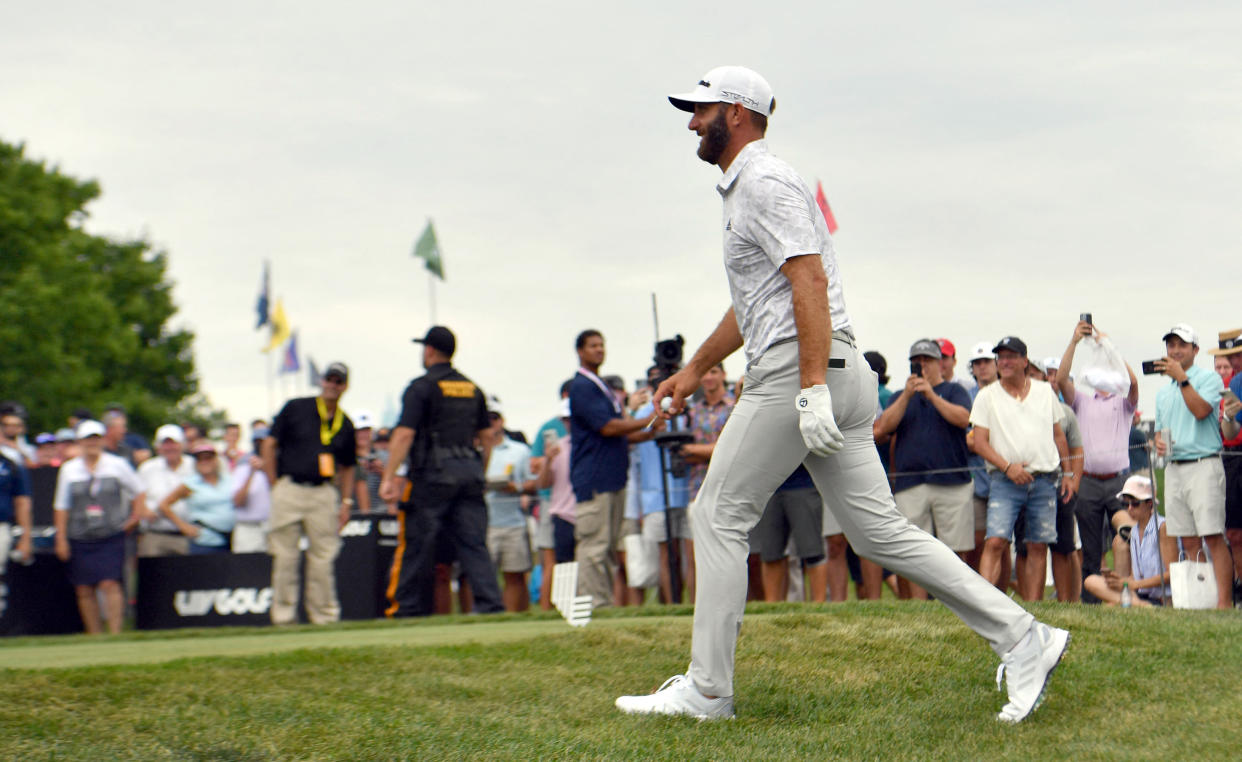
<point>563,502</point>
<point>1105,425</point>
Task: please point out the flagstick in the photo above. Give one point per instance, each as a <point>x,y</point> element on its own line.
<point>431,283</point>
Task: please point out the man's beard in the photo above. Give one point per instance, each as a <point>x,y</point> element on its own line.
<point>716,140</point>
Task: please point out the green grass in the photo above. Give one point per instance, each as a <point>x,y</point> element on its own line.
<point>851,681</point>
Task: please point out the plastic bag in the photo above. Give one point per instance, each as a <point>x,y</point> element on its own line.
<point>1100,367</point>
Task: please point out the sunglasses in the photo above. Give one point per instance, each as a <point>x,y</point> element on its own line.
<point>1130,502</point>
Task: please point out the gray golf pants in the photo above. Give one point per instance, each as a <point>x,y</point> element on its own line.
<point>758,448</point>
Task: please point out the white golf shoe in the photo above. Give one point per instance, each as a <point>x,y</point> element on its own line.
<point>1026,669</point>
<point>678,696</point>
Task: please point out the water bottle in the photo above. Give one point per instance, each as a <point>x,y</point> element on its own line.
<point>1126,600</point>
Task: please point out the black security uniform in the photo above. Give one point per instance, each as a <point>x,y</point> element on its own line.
<point>446,411</point>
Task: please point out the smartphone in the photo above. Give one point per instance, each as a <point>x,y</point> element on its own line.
<point>1086,318</point>
<point>1149,368</point>
<point>916,368</point>
<point>549,439</point>
<point>640,383</point>
<point>1229,396</point>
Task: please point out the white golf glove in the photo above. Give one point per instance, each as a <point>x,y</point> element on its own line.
<point>815,421</point>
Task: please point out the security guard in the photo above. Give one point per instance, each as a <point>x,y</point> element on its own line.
<point>443,416</point>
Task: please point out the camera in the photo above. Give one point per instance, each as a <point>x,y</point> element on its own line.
<point>667,358</point>
<point>1086,318</point>
<point>1149,368</point>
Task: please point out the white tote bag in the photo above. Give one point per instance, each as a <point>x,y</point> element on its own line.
<point>642,561</point>
<point>1193,583</point>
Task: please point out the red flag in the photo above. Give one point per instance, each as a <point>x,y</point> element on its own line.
<point>822,200</point>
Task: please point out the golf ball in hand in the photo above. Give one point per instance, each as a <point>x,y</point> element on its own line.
<point>666,403</point>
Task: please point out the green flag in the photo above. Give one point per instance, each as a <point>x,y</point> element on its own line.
<point>428,250</point>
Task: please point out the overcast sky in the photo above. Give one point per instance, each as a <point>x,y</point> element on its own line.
<point>995,168</point>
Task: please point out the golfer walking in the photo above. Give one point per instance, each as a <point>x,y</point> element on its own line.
<point>809,398</point>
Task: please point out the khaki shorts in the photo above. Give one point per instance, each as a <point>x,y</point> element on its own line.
<point>947,509</point>
<point>1194,498</point>
<point>654,528</point>
<point>509,548</point>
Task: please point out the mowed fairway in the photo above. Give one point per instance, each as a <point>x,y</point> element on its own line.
<point>880,680</point>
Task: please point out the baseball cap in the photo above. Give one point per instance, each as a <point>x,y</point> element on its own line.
<point>925,348</point>
<point>89,428</point>
<point>946,348</point>
<point>45,438</point>
<point>440,338</point>
<point>493,405</point>
<point>1039,366</point>
<point>565,408</point>
<point>337,369</point>
<point>170,431</point>
<point>1012,343</point>
<point>363,419</point>
<point>1052,363</point>
<point>729,84</point>
<point>982,351</point>
<point>1137,487</point>
<point>1183,332</point>
<point>65,435</point>
<point>202,448</point>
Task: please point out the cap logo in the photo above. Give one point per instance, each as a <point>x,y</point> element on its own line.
<point>705,83</point>
<point>739,97</point>
<point>802,402</point>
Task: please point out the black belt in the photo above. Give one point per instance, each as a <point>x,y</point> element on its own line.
<point>307,483</point>
<point>170,532</point>
<point>1196,460</point>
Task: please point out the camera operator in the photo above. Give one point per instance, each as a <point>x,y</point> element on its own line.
<point>1194,481</point>
<point>928,419</point>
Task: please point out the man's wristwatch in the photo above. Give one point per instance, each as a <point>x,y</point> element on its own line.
<point>1185,382</point>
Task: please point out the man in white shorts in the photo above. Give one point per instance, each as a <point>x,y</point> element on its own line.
<point>809,398</point>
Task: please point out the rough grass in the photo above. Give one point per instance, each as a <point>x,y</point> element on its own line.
<point>852,681</point>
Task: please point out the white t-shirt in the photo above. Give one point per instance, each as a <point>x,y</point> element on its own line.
<point>160,480</point>
<point>1020,430</point>
<point>771,216</point>
<point>110,466</point>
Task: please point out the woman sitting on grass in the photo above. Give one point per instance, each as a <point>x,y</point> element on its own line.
<point>209,499</point>
<point>1141,555</point>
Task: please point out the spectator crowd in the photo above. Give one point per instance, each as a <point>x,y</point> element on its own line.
<point>1022,466</point>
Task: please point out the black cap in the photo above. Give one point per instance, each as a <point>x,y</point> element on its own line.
<point>440,338</point>
<point>337,369</point>
<point>1012,343</point>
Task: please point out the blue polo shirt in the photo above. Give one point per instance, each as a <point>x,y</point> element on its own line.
<point>596,463</point>
<point>927,442</point>
<point>14,483</point>
<point>1192,438</point>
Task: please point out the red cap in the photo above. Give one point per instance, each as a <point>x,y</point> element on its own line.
<point>946,348</point>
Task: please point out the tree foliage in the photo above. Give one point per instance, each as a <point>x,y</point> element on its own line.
<point>83,318</point>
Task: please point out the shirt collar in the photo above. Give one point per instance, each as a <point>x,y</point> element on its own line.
<point>744,157</point>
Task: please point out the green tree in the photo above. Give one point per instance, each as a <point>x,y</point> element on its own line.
<point>83,318</point>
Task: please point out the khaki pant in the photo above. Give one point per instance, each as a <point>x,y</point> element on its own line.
<point>758,448</point>
<point>152,544</point>
<point>597,532</point>
<point>299,509</point>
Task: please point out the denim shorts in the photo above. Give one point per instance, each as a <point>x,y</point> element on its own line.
<point>1006,499</point>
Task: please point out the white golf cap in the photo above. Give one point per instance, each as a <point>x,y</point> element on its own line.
<point>89,429</point>
<point>982,351</point>
<point>1052,363</point>
<point>363,419</point>
<point>1183,332</point>
<point>565,408</point>
<point>1038,365</point>
<point>170,431</point>
<point>729,84</point>
<point>493,405</point>
<point>1137,487</point>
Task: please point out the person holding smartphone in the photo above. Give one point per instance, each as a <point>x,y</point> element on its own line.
<point>1194,481</point>
<point>1104,420</point>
